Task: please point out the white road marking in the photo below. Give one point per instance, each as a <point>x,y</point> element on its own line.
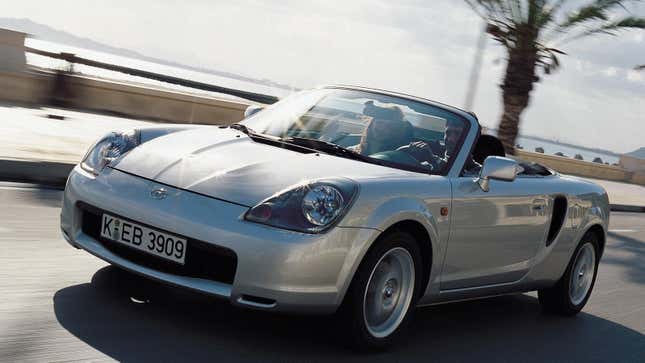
<point>623,230</point>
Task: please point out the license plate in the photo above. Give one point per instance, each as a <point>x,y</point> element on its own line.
<point>154,242</point>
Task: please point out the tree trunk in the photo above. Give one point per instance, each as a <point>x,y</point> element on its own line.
<point>517,86</point>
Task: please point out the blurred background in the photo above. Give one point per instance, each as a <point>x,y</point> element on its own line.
<point>561,82</point>
<point>71,71</point>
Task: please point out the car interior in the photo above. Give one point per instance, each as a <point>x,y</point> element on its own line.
<point>489,145</point>
<point>347,126</point>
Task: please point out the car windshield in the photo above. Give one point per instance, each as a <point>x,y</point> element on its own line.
<point>388,130</point>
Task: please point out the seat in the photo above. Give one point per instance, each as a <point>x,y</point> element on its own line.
<point>487,145</point>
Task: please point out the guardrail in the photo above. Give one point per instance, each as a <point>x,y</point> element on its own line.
<point>74,59</point>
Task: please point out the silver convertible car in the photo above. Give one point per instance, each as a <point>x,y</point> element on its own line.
<point>346,200</point>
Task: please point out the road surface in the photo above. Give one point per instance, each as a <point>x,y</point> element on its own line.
<point>60,304</point>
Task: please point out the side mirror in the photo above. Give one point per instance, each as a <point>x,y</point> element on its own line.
<point>497,168</point>
<point>252,110</point>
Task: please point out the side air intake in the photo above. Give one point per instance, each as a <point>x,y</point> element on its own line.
<point>557,219</point>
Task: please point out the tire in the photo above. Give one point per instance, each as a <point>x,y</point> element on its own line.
<point>383,283</point>
<point>565,299</point>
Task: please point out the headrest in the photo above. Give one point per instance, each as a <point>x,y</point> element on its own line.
<point>487,145</point>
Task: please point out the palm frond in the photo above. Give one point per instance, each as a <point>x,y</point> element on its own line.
<point>500,32</point>
<point>492,9</point>
<point>584,14</point>
<point>551,10</point>
<point>513,22</point>
<point>597,10</point>
<point>630,22</point>
<point>548,58</point>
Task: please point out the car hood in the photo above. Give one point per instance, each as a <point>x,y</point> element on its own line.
<point>227,164</point>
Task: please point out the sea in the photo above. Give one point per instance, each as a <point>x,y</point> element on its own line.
<point>527,143</point>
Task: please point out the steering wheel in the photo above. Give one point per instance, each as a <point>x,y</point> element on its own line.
<point>400,156</point>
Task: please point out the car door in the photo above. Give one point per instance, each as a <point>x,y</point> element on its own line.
<point>494,235</point>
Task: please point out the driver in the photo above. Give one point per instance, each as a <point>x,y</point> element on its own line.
<point>388,130</point>
<point>451,137</point>
<point>423,152</point>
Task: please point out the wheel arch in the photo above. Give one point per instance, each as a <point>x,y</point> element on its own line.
<point>422,235</point>
<point>599,232</point>
<point>413,214</point>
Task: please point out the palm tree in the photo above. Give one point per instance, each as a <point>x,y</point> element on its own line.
<point>530,30</point>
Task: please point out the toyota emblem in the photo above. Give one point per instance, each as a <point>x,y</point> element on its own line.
<point>159,193</point>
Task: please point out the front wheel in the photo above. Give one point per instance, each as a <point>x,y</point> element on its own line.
<point>384,291</point>
<point>571,292</point>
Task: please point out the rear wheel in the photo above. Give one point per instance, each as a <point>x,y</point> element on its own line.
<point>572,291</point>
<point>384,291</point>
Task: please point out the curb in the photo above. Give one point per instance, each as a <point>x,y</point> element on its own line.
<point>54,174</point>
<point>49,173</point>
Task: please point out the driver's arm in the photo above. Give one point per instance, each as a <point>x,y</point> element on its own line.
<point>422,152</point>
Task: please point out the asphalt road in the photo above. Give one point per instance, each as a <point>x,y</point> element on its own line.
<point>59,304</point>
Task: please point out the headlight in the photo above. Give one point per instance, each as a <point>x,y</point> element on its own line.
<point>108,148</point>
<point>310,208</point>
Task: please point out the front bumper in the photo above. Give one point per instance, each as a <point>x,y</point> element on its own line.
<point>275,269</point>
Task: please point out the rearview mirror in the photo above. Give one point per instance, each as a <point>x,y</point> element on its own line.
<point>252,110</point>
<point>497,168</point>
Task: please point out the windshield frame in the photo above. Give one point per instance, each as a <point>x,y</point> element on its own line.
<point>468,120</point>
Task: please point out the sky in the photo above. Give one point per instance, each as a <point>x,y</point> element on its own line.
<point>421,47</point>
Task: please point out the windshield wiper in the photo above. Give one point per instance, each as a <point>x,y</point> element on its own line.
<point>243,128</point>
<point>337,150</point>
<point>271,140</point>
<point>330,148</point>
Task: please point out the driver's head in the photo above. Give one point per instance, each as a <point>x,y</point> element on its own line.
<point>452,135</point>
<point>387,129</point>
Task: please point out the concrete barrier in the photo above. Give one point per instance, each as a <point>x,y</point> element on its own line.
<point>24,87</point>
<point>583,168</point>
<point>20,84</point>
<point>130,100</point>
<point>150,103</point>
<point>638,178</point>
<point>12,51</point>
<point>632,163</point>
<point>39,172</point>
<point>17,84</point>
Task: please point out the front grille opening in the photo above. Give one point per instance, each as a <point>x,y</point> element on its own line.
<point>203,260</point>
